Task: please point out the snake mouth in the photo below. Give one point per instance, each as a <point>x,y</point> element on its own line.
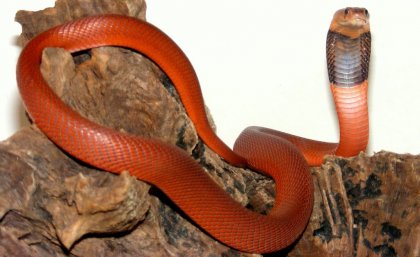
<point>360,20</point>
<point>356,22</point>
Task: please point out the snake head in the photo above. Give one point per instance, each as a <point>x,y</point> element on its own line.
<point>351,21</point>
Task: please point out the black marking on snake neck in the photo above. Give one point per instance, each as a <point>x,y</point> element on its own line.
<point>348,58</point>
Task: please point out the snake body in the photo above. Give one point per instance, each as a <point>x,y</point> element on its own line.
<point>277,154</point>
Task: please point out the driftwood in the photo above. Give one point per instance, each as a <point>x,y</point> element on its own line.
<point>53,205</point>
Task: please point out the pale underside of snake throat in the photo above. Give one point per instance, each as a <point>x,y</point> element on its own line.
<point>282,156</point>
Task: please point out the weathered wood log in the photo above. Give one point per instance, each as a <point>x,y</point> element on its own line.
<point>54,205</point>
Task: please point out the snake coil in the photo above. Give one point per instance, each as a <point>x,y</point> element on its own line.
<point>282,156</point>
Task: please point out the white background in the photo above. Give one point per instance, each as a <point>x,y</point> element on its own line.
<point>264,64</point>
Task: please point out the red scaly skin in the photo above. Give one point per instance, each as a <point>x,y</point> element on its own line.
<point>170,168</point>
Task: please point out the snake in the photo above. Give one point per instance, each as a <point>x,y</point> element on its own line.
<point>283,157</point>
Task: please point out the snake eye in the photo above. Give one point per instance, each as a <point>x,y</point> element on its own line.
<point>346,11</point>
<point>366,13</point>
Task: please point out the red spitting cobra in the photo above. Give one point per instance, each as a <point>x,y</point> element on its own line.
<point>282,156</point>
